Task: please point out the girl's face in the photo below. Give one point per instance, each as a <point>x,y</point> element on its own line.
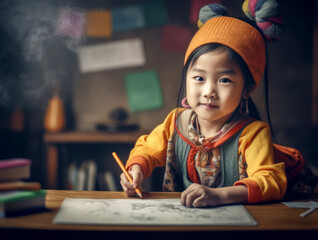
<point>214,88</point>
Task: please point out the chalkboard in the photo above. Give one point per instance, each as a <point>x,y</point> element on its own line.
<point>34,57</point>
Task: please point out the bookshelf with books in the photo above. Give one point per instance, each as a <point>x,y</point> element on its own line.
<point>57,142</point>
<point>86,176</point>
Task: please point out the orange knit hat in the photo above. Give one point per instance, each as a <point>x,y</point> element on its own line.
<point>236,34</point>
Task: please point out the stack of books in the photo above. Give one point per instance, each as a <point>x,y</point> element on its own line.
<point>17,196</point>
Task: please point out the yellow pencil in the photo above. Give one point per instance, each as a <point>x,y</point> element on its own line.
<point>126,173</point>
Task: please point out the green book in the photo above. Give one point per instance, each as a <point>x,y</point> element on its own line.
<point>21,202</point>
<point>143,91</point>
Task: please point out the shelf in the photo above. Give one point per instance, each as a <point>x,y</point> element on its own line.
<point>92,137</point>
<point>54,140</point>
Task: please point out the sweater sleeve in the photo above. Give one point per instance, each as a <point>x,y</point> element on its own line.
<point>266,179</point>
<point>150,150</point>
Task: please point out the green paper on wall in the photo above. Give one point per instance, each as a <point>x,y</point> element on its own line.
<point>143,91</point>
<point>155,13</point>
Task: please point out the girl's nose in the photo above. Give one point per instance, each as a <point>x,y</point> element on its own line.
<point>209,91</point>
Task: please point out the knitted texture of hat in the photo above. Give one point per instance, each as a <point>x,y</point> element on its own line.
<point>267,15</point>
<point>210,11</point>
<point>236,34</point>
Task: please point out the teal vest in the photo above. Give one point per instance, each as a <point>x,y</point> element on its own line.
<point>228,155</point>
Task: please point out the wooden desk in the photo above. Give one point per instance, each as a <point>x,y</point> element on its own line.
<point>274,219</point>
<point>53,140</point>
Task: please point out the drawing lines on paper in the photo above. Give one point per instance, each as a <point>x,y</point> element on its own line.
<point>96,208</point>
<point>148,212</point>
<point>171,208</point>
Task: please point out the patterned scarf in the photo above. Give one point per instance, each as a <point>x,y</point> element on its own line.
<point>207,162</point>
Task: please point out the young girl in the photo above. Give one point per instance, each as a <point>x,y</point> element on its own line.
<point>215,149</point>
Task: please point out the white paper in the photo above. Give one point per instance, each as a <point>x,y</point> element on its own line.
<point>112,55</point>
<point>310,204</point>
<point>148,212</point>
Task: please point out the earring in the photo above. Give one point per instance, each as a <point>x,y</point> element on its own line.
<point>244,106</point>
<point>184,104</point>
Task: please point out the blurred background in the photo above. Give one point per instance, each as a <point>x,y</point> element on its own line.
<point>81,79</point>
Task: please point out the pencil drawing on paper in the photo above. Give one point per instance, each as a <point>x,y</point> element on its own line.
<point>148,212</point>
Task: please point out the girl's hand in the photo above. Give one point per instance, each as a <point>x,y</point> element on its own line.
<point>201,196</point>
<point>137,176</point>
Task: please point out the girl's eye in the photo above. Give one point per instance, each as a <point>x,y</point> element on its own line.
<point>200,79</point>
<point>225,80</point>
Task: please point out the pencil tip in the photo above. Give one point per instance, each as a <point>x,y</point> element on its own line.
<point>140,195</point>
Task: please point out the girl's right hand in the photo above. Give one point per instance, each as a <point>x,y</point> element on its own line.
<point>137,177</point>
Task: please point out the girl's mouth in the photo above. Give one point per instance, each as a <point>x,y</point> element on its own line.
<point>209,105</point>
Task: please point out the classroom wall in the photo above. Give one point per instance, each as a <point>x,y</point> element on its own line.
<point>97,94</point>
<point>34,59</point>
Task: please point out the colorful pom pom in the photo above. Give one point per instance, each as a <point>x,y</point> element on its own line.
<point>210,11</point>
<point>246,10</point>
<point>267,15</point>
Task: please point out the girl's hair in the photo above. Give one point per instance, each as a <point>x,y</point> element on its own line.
<point>249,83</point>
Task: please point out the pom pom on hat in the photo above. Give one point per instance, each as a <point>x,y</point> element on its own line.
<point>267,15</point>
<point>210,11</point>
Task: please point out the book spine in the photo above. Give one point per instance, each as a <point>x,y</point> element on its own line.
<point>110,181</point>
<point>72,176</point>
<point>91,175</point>
<point>19,185</point>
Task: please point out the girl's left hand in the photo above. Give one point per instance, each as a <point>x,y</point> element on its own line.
<point>197,195</point>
